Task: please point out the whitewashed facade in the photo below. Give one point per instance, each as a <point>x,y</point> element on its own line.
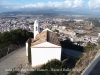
<point>44,52</point>
<point>26,48</point>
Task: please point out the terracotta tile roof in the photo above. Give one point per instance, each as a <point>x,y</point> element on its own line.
<point>46,36</point>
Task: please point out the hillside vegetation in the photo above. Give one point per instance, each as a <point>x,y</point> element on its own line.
<point>85,59</point>
<point>10,41</point>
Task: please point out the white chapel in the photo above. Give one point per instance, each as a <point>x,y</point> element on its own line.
<point>45,46</point>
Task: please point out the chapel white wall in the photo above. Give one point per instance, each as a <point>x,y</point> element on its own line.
<point>42,55</point>
<point>26,49</point>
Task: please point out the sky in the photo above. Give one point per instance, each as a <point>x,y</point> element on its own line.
<point>84,5</point>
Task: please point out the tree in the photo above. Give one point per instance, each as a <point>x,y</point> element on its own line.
<point>29,50</point>
<point>12,40</point>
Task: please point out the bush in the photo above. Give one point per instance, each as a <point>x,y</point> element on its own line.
<point>52,67</point>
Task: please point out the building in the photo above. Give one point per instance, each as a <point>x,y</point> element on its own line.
<point>36,28</point>
<point>45,46</point>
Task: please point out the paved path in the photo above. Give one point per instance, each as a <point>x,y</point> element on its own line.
<point>96,69</point>
<point>91,69</point>
<point>12,60</point>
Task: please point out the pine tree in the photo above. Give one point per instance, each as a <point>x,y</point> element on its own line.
<point>29,50</point>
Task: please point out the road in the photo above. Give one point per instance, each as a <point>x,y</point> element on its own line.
<point>13,59</point>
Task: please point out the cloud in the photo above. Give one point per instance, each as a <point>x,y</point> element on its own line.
<point>60,5</point>
<point>65,5</point>
<point>94,4</point>
<point>38,5</point>
<point>78,3</point>
<point>90,6</point>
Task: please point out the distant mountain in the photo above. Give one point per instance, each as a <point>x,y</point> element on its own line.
<point>48,12</point>
<point>38,12</point>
